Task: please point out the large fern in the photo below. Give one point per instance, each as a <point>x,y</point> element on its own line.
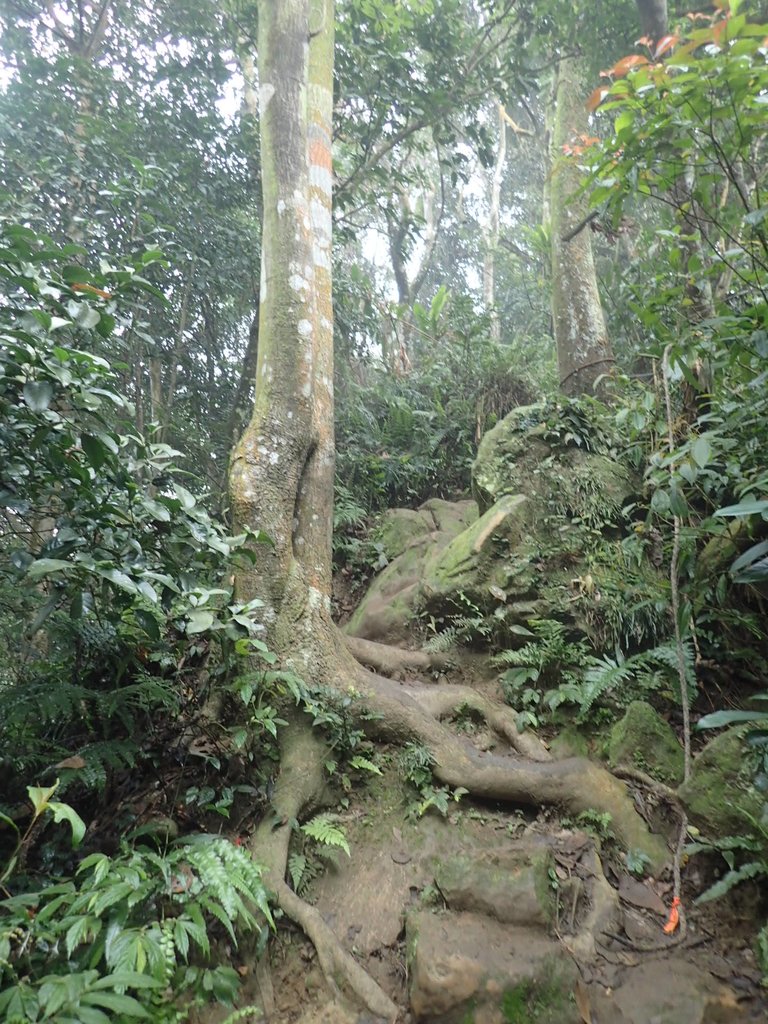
<point>128,924</point>
<point>323,830</point>
<point>606,675</point>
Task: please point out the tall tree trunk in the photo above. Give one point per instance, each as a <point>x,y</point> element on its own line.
<point>491,232</point>
<point>584,352</point>
<point>653,18</point>
<point>281,481</point>
<point>281,476</point>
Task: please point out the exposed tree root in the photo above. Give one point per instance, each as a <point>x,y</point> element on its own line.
<point>301,786</point>
<point>625,771</point>
<point>602,916</point>
<point>390,660</point>
<point>442,702</point>
<point>336,963</point>
<point>413,712</point>
<point>575,783</point>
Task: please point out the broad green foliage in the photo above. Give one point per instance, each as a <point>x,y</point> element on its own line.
<point>110,563</point>
<point>129,935</point>
<point>114,135</point>
<point>404,438</point>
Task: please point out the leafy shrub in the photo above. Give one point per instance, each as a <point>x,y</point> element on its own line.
<point>111,567</point>
<point>129,935</point>
<point>403,438</point>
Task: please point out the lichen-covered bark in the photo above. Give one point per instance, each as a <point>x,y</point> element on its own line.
<point>653,18</point>
<point>584,351</point>
<point>281,475</point>
<point>491,232</point>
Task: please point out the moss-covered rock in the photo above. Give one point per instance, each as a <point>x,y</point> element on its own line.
<point>718,795</point>
<point>399,528</point>
<point>409,538</point>
<point>466,967</point>
<point>643,739</point>
<point>513,886</point>
<point>569,742</point>
<point>518,457</point>
<point>488,562</point>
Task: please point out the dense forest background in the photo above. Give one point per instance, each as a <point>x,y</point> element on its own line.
<point>536,204</point>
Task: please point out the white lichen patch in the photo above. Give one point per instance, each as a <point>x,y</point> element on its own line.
<point>281,207</point>
<point>266,92</point>
<point>321,178</point>
<point>304,327</point>
<point>297,283</point>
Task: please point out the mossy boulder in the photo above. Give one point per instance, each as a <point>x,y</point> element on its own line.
<point>718,796</point>
<point>400,527</point>
<point>560,479</point>
<point>409,538</point>
<point>569,742</point>
<point>643,739</point>
<point>465,966</point>
<point>512,886</point>
<point>486,563</point>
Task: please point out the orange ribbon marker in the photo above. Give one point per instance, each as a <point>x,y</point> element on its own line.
<point>674,916</point>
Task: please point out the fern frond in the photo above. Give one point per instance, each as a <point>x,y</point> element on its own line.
<point>297,868</point>
<point>606,674</point>
<point>323,830</point>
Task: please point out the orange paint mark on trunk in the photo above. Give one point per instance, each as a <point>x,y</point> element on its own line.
<point>320,155</point>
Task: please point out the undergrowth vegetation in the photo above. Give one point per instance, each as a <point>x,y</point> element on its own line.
<point>124,658</point>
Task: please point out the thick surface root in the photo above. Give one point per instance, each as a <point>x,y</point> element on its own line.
<point>300,787</point>
<point>389,661</point>
<point>575,784</point>
<point>337,964</point>
<point>412,712</point>
<point>442,702</point>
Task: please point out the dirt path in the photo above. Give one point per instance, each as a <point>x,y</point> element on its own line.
<point>492,915</point>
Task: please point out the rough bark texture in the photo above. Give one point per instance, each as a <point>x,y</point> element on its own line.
<point>491,232</point>
<point>584,352</point>
<point>653,18</point>
<point>281,477</point>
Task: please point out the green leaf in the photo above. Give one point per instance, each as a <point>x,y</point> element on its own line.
<point>94,450</point>
<point>322,829</point>
<point>199,621</point>
<point>365,765</point>
<point>38,395</point>
<point>718,719</point>
<point>120,1004</point>
<point>44,566</point>
<point>88,317</point>
<point>120,579</point>
<point>63,812</point>
<point>39,796</point>
<point>701,451</point>
<point>744,508</point>
<point>147,622</point>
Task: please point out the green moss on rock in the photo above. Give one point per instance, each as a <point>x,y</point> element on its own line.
<point>398,528</point>
<point>643,739</point>
<point>718,795</point>
<point>569,742</point>
<point>516,457</point>
<point>489,553</point>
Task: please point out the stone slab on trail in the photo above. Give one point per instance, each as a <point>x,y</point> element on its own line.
<point>510,885</point>
<point>669,991</point>
<point>459,960</point>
